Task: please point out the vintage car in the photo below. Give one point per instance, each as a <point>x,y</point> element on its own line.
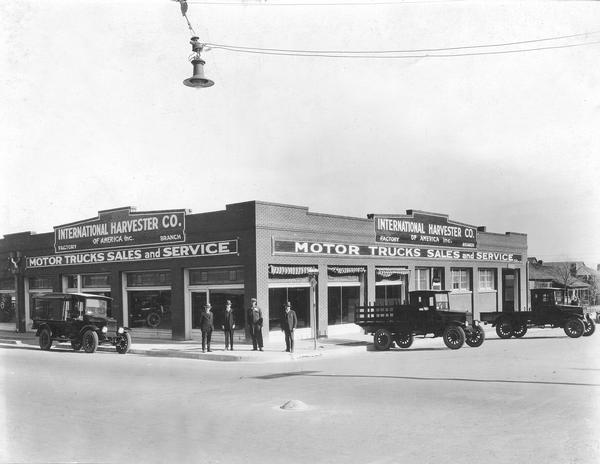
<point>81,318</point>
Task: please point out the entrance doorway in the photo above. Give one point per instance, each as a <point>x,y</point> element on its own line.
<point>510,290</point>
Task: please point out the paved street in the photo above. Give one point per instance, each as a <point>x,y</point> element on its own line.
<point>531,400</point>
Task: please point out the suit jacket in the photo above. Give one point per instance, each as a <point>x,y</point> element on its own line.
<point>289,320</point>
<point>206,320</point>
<point>229,321</point>
<point>255,317</point>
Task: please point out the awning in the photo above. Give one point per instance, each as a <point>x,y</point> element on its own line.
<point>345,270</point>
<point>297,271</point>
<point>387,272</point>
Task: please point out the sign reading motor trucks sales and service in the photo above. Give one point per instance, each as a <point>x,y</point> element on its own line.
<point>420,228</point>
<point>121,228</point>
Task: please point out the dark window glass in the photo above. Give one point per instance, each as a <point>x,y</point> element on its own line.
<point>40,282</point>
<point>299,298</point>
<point>148,279</point>
<point>216,276</point>
<point>7,284</point>
<point>150,309</point>
<point>95,280</point>
<point>341,304</point>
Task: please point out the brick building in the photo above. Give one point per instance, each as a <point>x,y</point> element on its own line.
<point>161,267</point>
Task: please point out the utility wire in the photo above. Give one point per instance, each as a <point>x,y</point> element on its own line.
<point>371,56</point>
<point>369,52</point>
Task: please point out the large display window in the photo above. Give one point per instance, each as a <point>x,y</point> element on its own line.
<point>391,285</point>
<point>7,304</point>
<point>216,286</point>
<point>296,284</point>
<point>149,299</point>
<point>97,284</point>
<point>35,286</point>
<point>346,288</point>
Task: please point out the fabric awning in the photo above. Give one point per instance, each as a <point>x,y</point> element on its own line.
<point>345,270</point>
<point>297,271</point>
<point>387,272</point>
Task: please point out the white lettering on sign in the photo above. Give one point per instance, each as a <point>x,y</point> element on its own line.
<point>397,225</point>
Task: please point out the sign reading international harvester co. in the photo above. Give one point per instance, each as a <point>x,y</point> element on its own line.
<point>187,250</point>
<point>120,228</point>
<point>420,228</point>
<point>297,247</point>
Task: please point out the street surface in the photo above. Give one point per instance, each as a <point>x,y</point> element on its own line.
<point>531,400</point>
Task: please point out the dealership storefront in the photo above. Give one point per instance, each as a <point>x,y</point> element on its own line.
<point>162,267</point>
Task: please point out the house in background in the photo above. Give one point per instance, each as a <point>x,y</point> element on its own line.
<point>579,281</point>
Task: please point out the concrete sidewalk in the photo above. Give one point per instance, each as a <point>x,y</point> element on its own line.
<point>192,349</point>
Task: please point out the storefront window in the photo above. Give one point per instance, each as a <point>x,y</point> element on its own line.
<point>487,279</point>
<point>389,294</point>
<point>461,279</point>
<point>7,300</point>
<point>422,279</point>
<point>299,298</point>
<point>95,280</point>
<point>148,279</point>
<point>36,283</point>
<point>216,276</point>
<point>342,303</point>
<point>217,299</point>
<point>150,309</point>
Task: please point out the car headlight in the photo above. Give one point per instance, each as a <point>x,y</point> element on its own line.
<point>121,330</point>
<point>476,323</point>
<point>104,329</point>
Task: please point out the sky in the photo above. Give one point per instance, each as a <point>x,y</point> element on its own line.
<point>94,115</point>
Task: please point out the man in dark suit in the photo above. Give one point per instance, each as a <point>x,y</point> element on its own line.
<point>206,325</point>
<point>228,325</point>
<point>255,323</point>
<point>288,325</point>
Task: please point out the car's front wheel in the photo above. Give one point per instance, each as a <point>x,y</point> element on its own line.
<point>123,343</point>
<point>475,337</point>
<point>153,320</point>
<point>454,337</point>
<point>574,327</point>
<point>90,341</point>
<point>590,327</point>
<point>45,339</point>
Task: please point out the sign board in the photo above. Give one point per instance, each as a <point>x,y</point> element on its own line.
<point>296,247</point>
<point>420,228</point>
<point>188,250</point>
<point>121,228</point>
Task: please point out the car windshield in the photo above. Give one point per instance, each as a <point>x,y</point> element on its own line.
<point>441,302</point>
<point>96,307</point>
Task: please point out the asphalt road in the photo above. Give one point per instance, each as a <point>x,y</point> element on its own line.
<point>511,401</point>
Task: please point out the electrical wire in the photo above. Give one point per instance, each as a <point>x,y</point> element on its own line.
<point>421,50</point>
<point>370,56</point>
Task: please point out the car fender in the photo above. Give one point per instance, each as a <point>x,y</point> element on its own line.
<point>42,327</point>
<point>92,327</point>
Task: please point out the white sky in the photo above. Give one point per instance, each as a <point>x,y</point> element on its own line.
<point>94,116</point>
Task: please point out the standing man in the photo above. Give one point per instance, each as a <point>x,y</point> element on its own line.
<point>288,324</point>
<point>228,325</point>
<point>255,323</point>
<point>206,325</point>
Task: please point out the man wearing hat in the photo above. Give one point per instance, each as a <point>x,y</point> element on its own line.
<point>255,323</point>
<point>206,325</point>
<point>228,325</point>
<point>288,324</point>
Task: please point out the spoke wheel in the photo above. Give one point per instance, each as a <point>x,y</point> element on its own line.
<point>504,329</point>
<point>476,337</point>
<point>153,320</point>
<point>520,330</point>
<point>45,339</point>
<point>574,327</point>
<point>454,337</point>
<point>404,339</point>
<point>590,327</point>
<point>123,343</point>
<point>382,340</point>
<point>90,341</point>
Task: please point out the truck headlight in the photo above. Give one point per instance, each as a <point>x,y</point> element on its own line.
<point>104,329</point>
<point>121,330</point>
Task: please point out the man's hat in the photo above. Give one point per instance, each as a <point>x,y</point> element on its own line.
<point>207,305</point>
<point>253,300</point>
<point>288,305</point>
<point>228,303</point>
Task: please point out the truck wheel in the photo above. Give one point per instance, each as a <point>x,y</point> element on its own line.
<point>454,337</point>
<point>45,339</point>
<point>76,344</point>
<point>504,329</point>
<point>382,340</point>
<point>590,327</point>
<point>520,330</point>
<point>404,339</point>
<point>90,341</point>
<point>475,337</point>
<point>574,327</point>
<point>123,343</point>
